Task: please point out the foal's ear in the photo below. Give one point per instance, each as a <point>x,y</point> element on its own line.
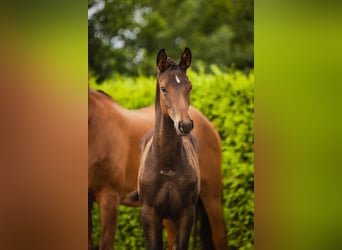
<point>185,59</point>
<point>161,60</point>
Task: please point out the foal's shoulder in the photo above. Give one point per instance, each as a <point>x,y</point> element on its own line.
<point>144,140</point>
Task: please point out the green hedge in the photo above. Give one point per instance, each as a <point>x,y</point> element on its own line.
<point>227,99</point>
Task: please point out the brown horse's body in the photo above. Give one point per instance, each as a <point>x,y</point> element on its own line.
<point>113,162</point>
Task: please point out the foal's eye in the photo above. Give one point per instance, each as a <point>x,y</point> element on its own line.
<point>190,88</point>
<point>163,89</point>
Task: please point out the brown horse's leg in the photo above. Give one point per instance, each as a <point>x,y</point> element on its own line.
<point>213,209</point>
<point>184,225</point>
<point>108,201</point>
<point>171,232</point>
<point>90,223</point>
<point>152,225</point>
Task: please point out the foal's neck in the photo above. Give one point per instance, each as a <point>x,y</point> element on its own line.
<point>165,133</point>
<point>166,142</point>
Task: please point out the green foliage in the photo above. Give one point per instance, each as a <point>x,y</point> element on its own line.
<point>227,99</point>
<point>124,36</point>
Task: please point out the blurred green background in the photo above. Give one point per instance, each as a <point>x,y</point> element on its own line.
<point>124,36</point>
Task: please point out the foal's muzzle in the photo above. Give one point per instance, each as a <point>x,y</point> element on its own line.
<point>185,128</point>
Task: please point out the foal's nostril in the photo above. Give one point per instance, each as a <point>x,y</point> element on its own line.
<point>180,126</point>
<point>186,128</point>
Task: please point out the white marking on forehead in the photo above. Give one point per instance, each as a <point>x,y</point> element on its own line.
<point>177,79</point>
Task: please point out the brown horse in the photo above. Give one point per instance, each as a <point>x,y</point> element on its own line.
<point>169,176</point>
<point>114,134</point>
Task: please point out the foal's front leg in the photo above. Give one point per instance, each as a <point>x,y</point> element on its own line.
<point>152,225</point>
<point>184,225</point>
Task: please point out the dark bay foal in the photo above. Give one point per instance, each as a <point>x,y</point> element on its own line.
<point>169,177</point>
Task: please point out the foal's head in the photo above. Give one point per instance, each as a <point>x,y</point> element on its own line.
<point>173,89</point>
